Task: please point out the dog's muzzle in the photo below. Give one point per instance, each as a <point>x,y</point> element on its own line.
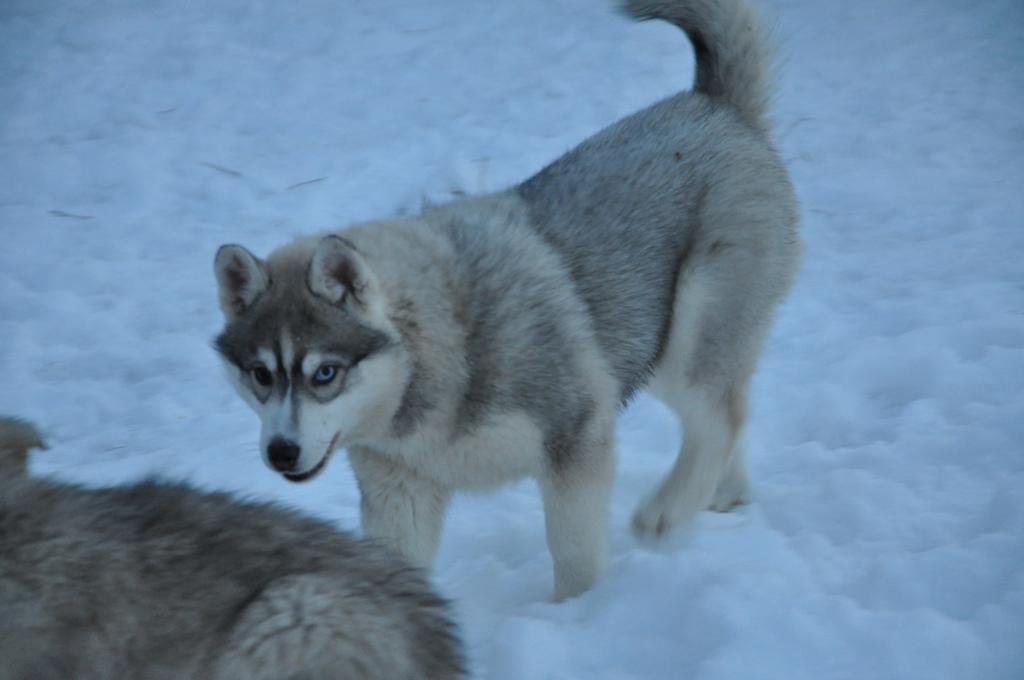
<point>316,469</point>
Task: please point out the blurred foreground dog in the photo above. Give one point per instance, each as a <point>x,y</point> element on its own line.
<point>496,337</point>
<point>159,581</point>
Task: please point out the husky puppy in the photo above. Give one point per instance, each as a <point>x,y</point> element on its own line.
<point>496,337</point>
<point>159,581</point>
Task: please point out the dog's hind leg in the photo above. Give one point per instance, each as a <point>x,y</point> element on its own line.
<point>704,464</point>
<point>724,303</point>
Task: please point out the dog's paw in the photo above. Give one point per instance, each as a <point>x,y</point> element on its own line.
<point>732,491</point>
<point>728,503</point>
<point>655,518</point>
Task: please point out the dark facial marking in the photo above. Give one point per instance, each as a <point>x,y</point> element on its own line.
<point>334,332</point>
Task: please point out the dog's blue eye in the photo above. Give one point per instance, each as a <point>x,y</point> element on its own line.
<point>325,374</point>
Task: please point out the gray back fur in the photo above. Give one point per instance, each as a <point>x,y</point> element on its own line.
<point>625,211</point>
<point>158,580</point>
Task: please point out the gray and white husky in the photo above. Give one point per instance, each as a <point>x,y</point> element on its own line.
<point>158,581</point>
<point>496,337</point>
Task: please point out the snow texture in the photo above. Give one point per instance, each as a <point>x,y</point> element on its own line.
<point>886,536</point>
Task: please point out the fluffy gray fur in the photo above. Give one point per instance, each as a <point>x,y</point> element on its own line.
<point>160,581</point>
<point>512,326</point>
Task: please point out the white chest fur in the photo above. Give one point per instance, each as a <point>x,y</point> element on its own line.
<point>501,449</point>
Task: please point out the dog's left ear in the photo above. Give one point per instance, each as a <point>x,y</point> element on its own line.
<point>339,273</point>
<point>241,277</point>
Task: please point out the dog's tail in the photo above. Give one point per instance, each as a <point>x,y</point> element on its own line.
<point>731,49</point>
<point>17,437</point>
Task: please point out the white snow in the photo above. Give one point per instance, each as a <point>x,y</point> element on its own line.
<point>886,537</point>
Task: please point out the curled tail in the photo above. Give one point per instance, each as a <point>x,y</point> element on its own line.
<point>17,437</point>
<point>732,52</point>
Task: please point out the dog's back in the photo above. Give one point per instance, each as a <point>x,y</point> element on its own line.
<point>158,580</point>
<point>629,208</point>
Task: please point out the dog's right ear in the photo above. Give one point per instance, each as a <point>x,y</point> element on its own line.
<point>241,276</point>
<point>338,272</point>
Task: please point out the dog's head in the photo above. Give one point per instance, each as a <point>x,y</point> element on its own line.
<point>308,344</point>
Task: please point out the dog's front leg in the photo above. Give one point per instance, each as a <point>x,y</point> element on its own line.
<point>576,496</point>
<point>399,507</point>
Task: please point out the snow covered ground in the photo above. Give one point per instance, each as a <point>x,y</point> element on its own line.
<point>886,539</point>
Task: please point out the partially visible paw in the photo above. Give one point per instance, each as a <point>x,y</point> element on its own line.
<point>724,502</point>
<point>732,491</point>
<point>655,517</point>
<point>568,586</point>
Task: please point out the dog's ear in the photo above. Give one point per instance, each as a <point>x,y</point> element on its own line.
<point>241,276</point>
<point>338,273</point>
<point>16,438</point>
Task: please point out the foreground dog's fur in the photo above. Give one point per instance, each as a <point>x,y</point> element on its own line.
<point>161,581</point>
<point>495,338</point>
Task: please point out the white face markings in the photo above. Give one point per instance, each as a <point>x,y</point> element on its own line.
<point>267,358</point>
<point>311,363</point>
<point>287,351</point>
<point>282,415</point>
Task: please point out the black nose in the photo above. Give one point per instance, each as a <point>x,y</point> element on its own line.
<point>283,454</point>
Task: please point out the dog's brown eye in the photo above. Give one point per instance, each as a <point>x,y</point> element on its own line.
<point>261,375</point>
